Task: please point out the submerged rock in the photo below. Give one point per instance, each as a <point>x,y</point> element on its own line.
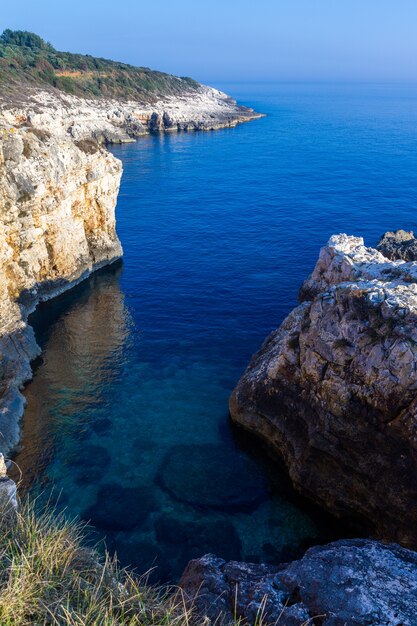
<point>121,508</point>
<point>333,391</point>
<point>196,538</point>
<point>204,476</point>
<point>352,582</point>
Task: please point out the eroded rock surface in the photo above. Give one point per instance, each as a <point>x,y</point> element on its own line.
<point>352,582</point>
<point>112,121</point>
<point>400,244</point>
<point>333,391</point>
<point>57,224</point>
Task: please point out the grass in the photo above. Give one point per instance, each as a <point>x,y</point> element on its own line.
<point>49,577</point>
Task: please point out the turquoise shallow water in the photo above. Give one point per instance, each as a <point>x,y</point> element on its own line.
<point>127,418</point>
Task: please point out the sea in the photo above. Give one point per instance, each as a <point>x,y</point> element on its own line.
<point>127,423</point>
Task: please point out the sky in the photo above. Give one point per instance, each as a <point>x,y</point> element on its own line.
<point>234,40</point>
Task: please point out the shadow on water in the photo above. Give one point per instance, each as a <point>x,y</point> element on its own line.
<point>81,334</point>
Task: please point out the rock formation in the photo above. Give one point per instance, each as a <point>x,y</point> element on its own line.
<point>58,191</point>
<point>333,391</point>
<point>400,244</point>
<point>8,491</point>
<point>352,582</point>
<point>57,224</point>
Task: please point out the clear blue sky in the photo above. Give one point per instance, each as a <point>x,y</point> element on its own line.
<point>225,40</point>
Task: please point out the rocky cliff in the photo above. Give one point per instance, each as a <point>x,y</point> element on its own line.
<point>57,224</point>
<point>333,391</point>
<point>58,192</point>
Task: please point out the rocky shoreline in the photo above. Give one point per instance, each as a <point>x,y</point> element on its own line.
<point>58,190</point>
<point>332,392</point>
<point>332,395</point>
<point>353,582</point>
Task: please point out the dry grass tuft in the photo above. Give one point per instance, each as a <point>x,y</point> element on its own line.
<point>48,577</point>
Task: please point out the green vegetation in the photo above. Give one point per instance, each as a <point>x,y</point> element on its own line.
<point>28,59</point>
<point>48,577</point>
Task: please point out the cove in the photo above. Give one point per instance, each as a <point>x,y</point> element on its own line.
<point>127,420</point>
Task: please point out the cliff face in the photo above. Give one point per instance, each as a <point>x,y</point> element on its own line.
<point>57,224</point>
<point>114,121</point>
<point>333,392</point>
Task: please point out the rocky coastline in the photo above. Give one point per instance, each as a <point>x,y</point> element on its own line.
<point>58,190</point>
<point>353,582</point>
<point>332,392</point>
<point>332,395</point>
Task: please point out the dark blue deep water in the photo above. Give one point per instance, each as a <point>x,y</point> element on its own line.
<point>127,415</point>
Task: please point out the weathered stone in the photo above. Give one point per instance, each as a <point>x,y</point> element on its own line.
<point>333,392</point>
<point>57,226</point>
<point>8,491</point>
<point>351,582</point>
<point>400,244</point>
<point>202,475</point>
<point>3,467</point>
<point>8,495</point>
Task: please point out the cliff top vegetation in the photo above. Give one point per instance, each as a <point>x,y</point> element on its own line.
<point>26,59</point>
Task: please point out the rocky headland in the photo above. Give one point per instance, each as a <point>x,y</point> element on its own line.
<point>332,395</point>
<point>59,184</point>
<point>333,392</point>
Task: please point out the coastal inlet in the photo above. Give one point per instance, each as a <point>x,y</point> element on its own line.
<point>127,419</point>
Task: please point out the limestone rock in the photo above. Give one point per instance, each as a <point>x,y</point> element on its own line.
<point>57,225</point>
<point>111,121</point>
<point>8,491</point>
<point>8,495</point>
<point>355,582</point>
<point>399,245</point>
<point>333,391</point>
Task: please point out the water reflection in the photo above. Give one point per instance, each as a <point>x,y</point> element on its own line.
<point>82,334</point>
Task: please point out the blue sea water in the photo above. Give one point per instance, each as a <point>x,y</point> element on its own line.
<point>127,414</point>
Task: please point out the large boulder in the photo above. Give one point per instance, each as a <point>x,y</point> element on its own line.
<point>355,582</point>
<point>333,391</point>
<point>400,244</point>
